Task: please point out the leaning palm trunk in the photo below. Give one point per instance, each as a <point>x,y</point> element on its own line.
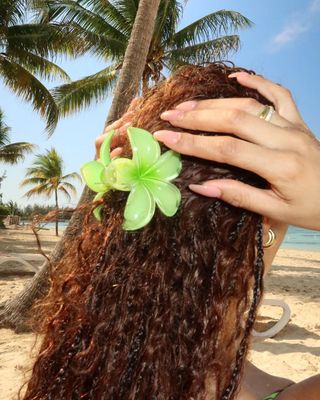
<point>57,209</point>
<point>14,313</point>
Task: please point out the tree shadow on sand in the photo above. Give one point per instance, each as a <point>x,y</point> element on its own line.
<point>295,282</point>
<point>280,344</point>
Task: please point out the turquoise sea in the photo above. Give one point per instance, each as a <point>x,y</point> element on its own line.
<point>296,238</point>
<point>302,239</point>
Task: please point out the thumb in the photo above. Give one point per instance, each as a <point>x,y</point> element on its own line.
<point>239,194</point>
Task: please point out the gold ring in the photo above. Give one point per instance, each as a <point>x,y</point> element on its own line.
<point>266,113</point>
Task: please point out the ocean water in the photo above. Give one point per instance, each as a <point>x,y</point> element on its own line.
<point>296,238</point>
<point>302,239</point>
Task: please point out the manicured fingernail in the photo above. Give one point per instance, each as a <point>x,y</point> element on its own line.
<point>171,115</point>
<point>206,190</point>
<point>236,74</point>
<point>187,105</point>
<point>169,137</point>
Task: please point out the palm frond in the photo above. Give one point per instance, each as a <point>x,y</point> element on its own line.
<point>31,89</point>
<point>46,173</point>
<point>78,95</point>
<point>33,181</point>
<point>38,65</point>
<point>73,175</point>
<point>70,11</point>
<point>212,25</point>
<point>44,189</point>
<point>4,130</point>
<point>212,50</point>
<point>168,16</point>
<point>45,40</point>
<point>65,192</point>
<point>128,8</point>
<point>12,12</point>
<point>14,152</point>
<point>110,13</point>
<point>48,165</point>
<point>104,46</point>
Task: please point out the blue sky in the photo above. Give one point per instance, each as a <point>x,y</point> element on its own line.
<point>283,45</point>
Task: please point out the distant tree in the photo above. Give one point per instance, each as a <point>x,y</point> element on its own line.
<point>13,208</point>
<point>11,153</point>
<point>4,211</point>
<point>36,209</point>
<point>2,178</point>
<point>46,174</point>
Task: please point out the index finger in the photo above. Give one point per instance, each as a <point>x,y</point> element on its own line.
<point>226,149</point>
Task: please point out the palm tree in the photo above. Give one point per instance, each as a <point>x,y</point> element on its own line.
<point>14,313</point>
<point>46,174</point>
<point>12,207</point>
<point>11,153</point>
<point>108,25</point>
<point>26,44</point>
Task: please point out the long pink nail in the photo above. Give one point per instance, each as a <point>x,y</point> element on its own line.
<point>187,105</point>
<point>206,190</point>
<point>236,74</point>
<point>169,137</point>
<point>171,115</point>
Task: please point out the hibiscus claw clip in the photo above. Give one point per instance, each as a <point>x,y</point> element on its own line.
<point>147,176</point>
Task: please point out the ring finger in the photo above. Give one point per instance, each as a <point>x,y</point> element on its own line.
<point>249,105</point>
<point>278,95</point>
<point>236,121</point>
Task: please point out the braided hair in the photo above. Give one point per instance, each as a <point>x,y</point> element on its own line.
<point>165,312</point>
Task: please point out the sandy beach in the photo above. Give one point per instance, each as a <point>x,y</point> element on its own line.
<point>294,352</point>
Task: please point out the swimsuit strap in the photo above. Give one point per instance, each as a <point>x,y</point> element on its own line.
<point>272,396</point>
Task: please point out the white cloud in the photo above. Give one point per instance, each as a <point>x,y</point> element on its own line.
<point>298,24</point>
<point>290,33</point>
<point>314,6</point>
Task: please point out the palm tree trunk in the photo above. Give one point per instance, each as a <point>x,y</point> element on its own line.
<point>57,209</point>
<point>135,58</point>
<point>145,84</point>
<point>14,313</point>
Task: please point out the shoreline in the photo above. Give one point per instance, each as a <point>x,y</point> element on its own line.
<point>294,278</point>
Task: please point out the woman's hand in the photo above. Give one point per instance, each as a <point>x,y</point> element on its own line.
<point>283,151</point>
<point>120,126</point>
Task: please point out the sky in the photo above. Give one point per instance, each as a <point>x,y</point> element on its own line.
<point>283,45</point>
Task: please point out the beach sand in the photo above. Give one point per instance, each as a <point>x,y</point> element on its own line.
<point>293,353</point>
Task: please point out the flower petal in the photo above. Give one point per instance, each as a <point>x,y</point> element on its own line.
<point>97,211</point>
<point>167,167</point>
<point>166,195</point>
<point>121,174</point>
<point>139,209</point>
<point>105,148</point>
<point>145,149</point>
<point>91,172</point>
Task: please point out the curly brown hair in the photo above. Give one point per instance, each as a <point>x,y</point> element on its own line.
<point>165,312</point>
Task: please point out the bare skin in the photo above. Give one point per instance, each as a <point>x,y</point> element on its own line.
<point>293,173</point>
<point>283,151</point>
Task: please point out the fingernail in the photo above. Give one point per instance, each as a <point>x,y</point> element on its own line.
<point>236,74</point>
<point>206,190</point>
<point>169,137</point>
<point>116,152</point>
<point>171,115</point>
<point>187,105</point>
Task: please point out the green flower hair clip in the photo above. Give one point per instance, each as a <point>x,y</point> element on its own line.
<point>146,176</point>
